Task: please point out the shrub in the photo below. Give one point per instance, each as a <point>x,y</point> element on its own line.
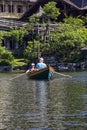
<point>6,57</point>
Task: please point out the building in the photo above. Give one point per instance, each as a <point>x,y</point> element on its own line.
<point>15,8</point>
<point>67,7</point>
<point>79,4</point>
<point>23,9</point>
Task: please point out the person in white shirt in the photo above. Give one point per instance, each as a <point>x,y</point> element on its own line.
<point>32,68</point>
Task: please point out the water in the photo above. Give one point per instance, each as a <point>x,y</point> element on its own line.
<point>59,104</point>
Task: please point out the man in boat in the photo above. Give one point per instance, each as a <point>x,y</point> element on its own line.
<point>41,64</point>
<point>32,68</point>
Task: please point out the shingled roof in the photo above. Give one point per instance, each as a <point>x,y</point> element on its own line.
<point>78,4</point>
<point>34,9</point>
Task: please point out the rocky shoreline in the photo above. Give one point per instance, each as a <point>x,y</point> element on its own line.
<point>57,66</point>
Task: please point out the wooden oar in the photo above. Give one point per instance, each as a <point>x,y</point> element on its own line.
<point>17,76</point>
<point>63,74</point>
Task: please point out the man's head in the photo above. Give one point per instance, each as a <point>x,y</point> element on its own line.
<point>41,60</point>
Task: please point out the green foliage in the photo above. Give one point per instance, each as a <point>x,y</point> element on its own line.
<point>5,56</point>
<point>69,39</point>
<point>51,11</point>
<point>45,47</point>
<point>84,18</point>
<point>18,35</point>
<point>31,51</point>
<point>2,35</point>
<point>65,42</point>
<point>34,18</point>
<point>19,62</point>
<point>75,22</point>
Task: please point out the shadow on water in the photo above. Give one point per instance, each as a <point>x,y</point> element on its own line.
<point>59,104</point>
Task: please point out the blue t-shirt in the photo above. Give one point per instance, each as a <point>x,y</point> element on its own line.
<point>41,65</point>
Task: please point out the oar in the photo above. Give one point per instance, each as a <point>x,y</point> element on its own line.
<point>17,76</point>
<point>63,74</point>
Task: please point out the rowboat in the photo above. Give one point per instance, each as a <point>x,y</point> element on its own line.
<point>43,74</point>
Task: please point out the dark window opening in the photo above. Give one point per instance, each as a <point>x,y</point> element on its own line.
<point>30,6</point>
<point>2,7</point>
<point>10,8</point>
<point>12,45</point>
<point>19,9</point>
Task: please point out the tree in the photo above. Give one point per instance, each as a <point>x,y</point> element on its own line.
<point>6,57</point>
<point>69,39</point>
<point>31,52</point>
<point>51,11</point>
<point>3,34</point>
<point>75,22</point>
<point>34,19</point>
<point>35,49</point>
<point>18,35</point>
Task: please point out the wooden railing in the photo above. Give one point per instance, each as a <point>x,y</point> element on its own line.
<point>12,23</point>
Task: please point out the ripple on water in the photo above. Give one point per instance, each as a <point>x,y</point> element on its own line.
<point>59,104</point>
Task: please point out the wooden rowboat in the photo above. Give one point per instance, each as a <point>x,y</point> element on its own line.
<point>43,74</point>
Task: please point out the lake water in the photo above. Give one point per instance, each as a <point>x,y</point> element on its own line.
<point>59,104</point>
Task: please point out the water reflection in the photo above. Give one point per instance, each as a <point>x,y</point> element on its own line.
<point>60,104</point>
<point>29,105</point>
<point>42,100</point>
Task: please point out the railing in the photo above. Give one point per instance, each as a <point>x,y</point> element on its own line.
<point>12,23</point>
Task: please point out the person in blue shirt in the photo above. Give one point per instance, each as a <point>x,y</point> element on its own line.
<point>41,64</point>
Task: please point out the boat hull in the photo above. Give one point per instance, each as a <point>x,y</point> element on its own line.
<point>43,74</point>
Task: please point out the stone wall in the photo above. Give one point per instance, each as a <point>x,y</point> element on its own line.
<point>65,66</point>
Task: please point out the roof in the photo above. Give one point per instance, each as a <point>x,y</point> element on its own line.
<point>34,8</point>
<point>78,4</point>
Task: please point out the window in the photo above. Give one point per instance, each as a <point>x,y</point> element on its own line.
<point>10,8</point>
<point>19,9</point>
<point>30,6</point>
<point>2,8</point>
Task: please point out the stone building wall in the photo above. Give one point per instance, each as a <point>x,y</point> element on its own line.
<point>14,8</point>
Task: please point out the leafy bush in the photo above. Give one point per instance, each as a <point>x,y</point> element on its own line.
<point>4,63</point>
<point>6,57</point>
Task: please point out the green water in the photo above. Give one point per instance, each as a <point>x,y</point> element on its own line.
<point>59,104</point>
